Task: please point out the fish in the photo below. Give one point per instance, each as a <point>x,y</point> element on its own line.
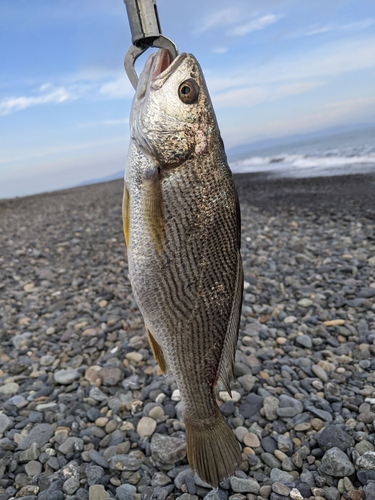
<point>182,227</point>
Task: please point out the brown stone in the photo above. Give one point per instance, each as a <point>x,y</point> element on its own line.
<point>251,439</point>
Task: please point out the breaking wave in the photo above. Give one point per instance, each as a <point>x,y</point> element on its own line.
<point>288,162</point>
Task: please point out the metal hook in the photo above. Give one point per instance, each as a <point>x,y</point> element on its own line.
<point>146,32</point>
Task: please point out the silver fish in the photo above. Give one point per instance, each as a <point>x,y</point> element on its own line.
<point>182,227</point>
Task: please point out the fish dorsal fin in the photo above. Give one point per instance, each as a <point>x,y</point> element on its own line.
<point>225,370</point>
<point>126,213</point>
<point>158,353</point>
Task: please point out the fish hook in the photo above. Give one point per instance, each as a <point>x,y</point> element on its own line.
<point>146,32</point>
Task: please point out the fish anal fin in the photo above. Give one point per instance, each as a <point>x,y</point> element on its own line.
<point>158,353</point>
<point>225,370</point>
<point>126,213</point>
<point>154,209</point>
<point>213,450</point>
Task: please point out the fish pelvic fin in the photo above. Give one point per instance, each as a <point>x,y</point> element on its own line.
<point>126,213</point>
<point>158,353</point>
<point>154,209</point>
<point>225,371</point>
<point>213,450</point>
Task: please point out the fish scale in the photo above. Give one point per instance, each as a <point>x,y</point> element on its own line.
<point>181,218</point>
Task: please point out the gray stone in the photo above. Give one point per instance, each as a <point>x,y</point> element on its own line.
<point>332,493</point>
<point>31,453</point>
<point>286,412</point>
<point>320,372</point>
<point>33,468</point>
<point>366,461</point>
<point>284,443</point>
<point>280,476</point>
<point>270,460</point>
<point>96,394</point>
<point>336,463</point>
<point>167,449</point>
<point>66,377</point>
<point>240,485</point>
<point>287,401</point>
<point>71,485</point>
<point>71,444</point>
<point>324,415</point>
<point>97,492</point>
<point>247,381</point>
<point>124,462</point>
<point>40,435</point>
<point>123,491</point>
<point>369,490</point>
<point>94,473</point>
<point>364,446</point>
<point>199,482</point>
<point>212,495</point>
<point>186,496</point>
<point>110,376</point>
<point>304,341</point>
<point>333,436</point>
<point>5,423</point>
<point>98,459</point>
<point>270,405</point>
<point>36,417</point>
<point>280,489</point>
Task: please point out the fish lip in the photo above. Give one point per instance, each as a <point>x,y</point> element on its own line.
<point>156,76</point>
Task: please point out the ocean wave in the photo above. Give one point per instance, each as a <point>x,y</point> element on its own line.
<point>285,161</point>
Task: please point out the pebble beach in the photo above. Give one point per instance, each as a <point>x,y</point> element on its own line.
<point>85,413</point>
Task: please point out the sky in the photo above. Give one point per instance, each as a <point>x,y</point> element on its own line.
<point>273,68</point>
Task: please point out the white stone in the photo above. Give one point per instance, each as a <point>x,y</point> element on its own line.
<point>295,494</point>
<point>66,377</point>
<point>176,395</point>
<point>305,302</point>
<point>146,427</point>
<point>9,389</point>
<point>236,396</point>
<point>290,319</point>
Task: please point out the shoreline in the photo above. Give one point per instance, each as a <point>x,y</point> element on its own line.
<point>353,193</point>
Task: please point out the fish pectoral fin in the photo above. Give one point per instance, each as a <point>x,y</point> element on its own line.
<point>154,209</point>
<point>126,213</point>
<point>225,371</point>
<point>158,353</point>
<point>213,450</point>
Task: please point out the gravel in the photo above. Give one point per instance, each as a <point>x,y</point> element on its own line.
<point>85,413</point>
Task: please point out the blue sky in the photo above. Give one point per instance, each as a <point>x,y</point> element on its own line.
<point>274,68</point>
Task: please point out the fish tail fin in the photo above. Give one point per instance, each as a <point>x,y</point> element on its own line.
<point>213,450</point>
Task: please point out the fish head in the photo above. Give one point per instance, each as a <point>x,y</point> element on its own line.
<point>172,118</point>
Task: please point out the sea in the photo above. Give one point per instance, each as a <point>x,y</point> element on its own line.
<point>340,154</point>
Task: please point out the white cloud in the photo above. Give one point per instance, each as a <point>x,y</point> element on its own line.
<point>121,121</point>
<point>327,28</point>
<point>90,86</point>
<point>331,59</point>
<point>117,88</point>
<point>220,50</point>
<point>57,96</point>
<point>254,25</point>
<point>223,17</point>
<point>297,88</point>
<point>250,96</point>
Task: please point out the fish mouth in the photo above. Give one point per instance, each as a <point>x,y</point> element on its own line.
<point>159,67</point>
<point>163,66</point>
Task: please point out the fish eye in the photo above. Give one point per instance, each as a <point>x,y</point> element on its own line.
<point>188,91</point>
